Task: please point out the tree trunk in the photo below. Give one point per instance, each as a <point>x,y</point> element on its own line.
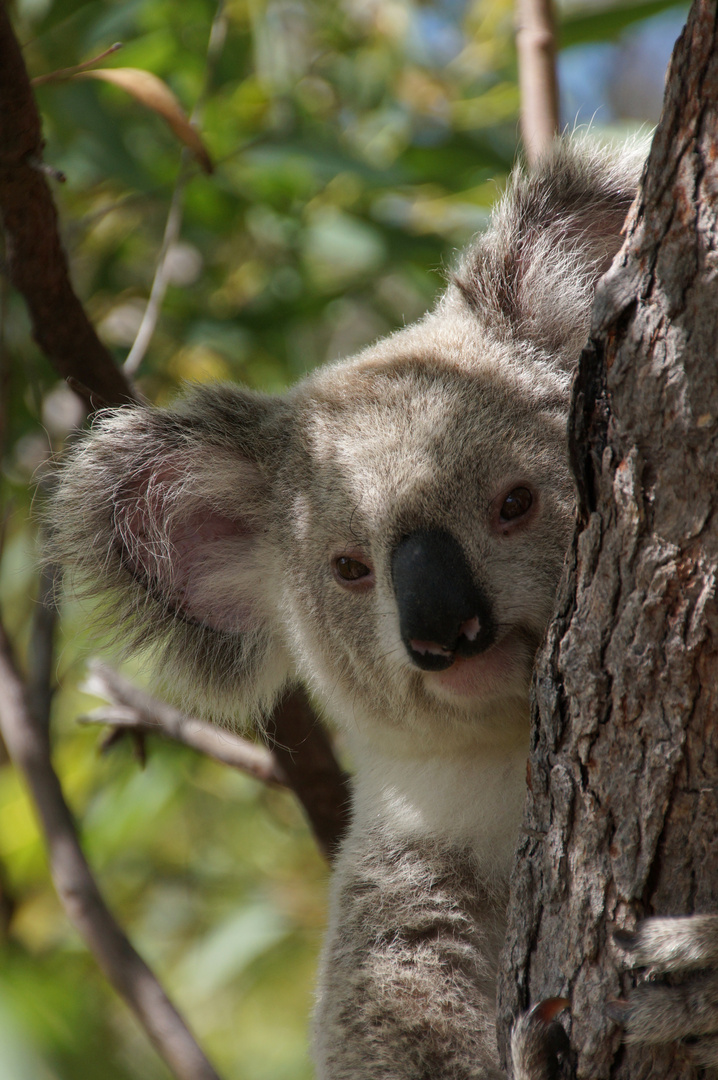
<point>621,818</point>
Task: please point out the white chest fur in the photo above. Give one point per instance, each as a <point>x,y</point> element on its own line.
<point>470,798</point>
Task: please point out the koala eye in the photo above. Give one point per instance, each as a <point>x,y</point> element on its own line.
<point>516,504</point>
<point>350,569</point>
<point>352,572</point>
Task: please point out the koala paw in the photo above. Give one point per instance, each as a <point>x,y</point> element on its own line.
<point>686,1010</point>
<point>539,1043</point>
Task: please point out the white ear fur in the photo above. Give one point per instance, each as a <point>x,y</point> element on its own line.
<point>531,277</point>
<point>188,527</point>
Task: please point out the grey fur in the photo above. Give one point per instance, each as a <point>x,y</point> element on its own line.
<point>687,1008</point>
<point>211,529</point>
<point>411,960</point>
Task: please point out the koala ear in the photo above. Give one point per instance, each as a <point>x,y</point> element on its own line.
<point>186,527</point>
<point>168,514</point>
<point>554,233</point>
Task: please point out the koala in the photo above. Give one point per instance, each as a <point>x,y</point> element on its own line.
<point>390,533</point>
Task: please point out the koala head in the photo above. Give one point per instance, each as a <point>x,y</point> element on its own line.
<point>392,530</point>
<point>430,531</point>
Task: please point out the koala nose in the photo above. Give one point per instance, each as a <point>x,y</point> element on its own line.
<point>443,613</point>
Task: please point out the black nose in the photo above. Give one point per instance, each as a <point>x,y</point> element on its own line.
<point>443,613</point>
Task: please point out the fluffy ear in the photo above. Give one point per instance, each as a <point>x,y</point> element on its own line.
<point>168,513</point>
<point>556,230</point>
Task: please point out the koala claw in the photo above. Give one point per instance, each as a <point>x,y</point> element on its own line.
<point>539,1042</point>
<point>618,1010</point>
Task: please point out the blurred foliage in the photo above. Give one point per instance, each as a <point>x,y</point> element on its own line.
<point>356,144</point>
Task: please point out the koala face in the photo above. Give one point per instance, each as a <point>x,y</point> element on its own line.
<point>391,533</point>
<point>428,521</point>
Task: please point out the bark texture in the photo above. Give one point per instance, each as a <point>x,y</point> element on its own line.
<point>622,813</point>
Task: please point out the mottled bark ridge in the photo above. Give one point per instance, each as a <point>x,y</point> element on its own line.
<point>622,813</point>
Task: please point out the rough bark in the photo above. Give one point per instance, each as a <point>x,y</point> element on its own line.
<point>621,818</point>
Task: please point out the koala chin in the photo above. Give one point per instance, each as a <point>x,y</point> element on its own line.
<point>390,532</point>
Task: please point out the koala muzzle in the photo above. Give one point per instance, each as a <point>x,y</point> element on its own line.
<point>443,613</point>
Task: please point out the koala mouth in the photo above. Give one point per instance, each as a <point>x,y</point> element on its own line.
<point>487,674</point>
<point>444,656</point>
<point>481,676</point>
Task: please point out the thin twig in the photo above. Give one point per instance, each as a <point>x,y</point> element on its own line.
<point>173,226</point>
<point>67,73</point>
<point>136,710</point>
<point>29,748</point>
<point>536,47</point>
<point>160,281</point>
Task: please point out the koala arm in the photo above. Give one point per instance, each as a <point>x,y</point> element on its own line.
<point>407,987</point>
<point>656,1012</point>
<point>686,1009</point>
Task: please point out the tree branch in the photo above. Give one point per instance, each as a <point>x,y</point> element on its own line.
<point>536,47</point>
<point>301,756</point>
<point>29,748</point>
<point>40,651</point>
<point>134,709</point>
<point>37,265</point>
<point>306,757</point>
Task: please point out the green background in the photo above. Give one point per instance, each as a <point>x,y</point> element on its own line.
<point>357,145</point>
